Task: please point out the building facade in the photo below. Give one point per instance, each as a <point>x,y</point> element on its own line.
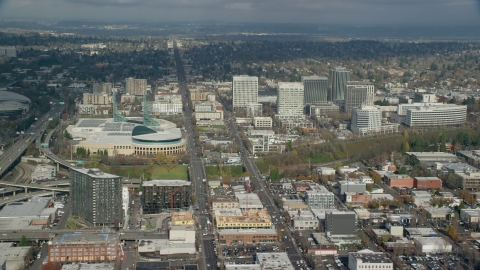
<point>428,182</point>
<point>315,88</point>
<point>367,259</point>
<point>262,122</point>
<point>78,248</point>
<point>358,94</point>
<point>247,237</point>
<point>245,91</point>
<point>319,197</point>
<point>338,79</point>
<point>96,196</point>
<point>445,115</point>
<point>290,100</point>
<point>157,195</point>
<point>96,99</point>
<point>366,119</point>
<point>8,51</point>
<point>340,223</point>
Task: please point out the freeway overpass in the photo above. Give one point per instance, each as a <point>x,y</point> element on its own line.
<point>34,186</point>
<point>23,196</point>
<point>44,235</point>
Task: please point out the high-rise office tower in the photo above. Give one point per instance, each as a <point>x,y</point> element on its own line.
<point>245,91</point>
<point>290,99</point>
<point>366,119</point>
<point>96,196</point>
<point>338,78</point>
<point>358,94</point>
<point>97,88</point>
<point>315,88</point>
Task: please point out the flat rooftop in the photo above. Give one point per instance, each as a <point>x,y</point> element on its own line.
<point>166,183</point>
<point>95,173</point>
<point>459,167</point>
<point>86,266</point>
<point>229,212</point>
<point>368,256</point>
<point>84,237</point>
<point>242,267</point>
<point>247,231</point>
<point>421,231</point>
<point>32,208</point>
<point>277,260</point>
<point>8,252</point>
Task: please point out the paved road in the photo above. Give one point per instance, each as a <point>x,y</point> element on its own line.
<point>32,133</point>
<point>260,185</point>
<point>197,174</point>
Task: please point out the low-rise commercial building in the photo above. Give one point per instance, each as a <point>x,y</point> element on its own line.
<point>78,247</point>
<point>165,247</point>
<point>247,236</point>
<point>398,180</point>
<point>302,220</point>
<point>13,258</point>
<point>182,218</point>
<point>358,198</point>
<point>430,158</point>
<point>428,182</point>
<point>89,266</point>
<point>44,172</point>
<point>352,186</point>
<point>469,179</point>
<point>224,202</point>
<point>182,234</point>
<point>470,216</point>
<point>252,219</point>
<point>438,213</point>
<point>367,259</point>
<point>276,260</point>
<point>432,245</point>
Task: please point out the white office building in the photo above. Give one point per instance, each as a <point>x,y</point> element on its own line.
<point>425,115</point>
<point>367,259</point>
<point>315,89</point>
<point>167,108</point>
<point>358,94</point>
<point>290,98</point>
<point>262,122</point>
<point>245,91</point>
<point>366,119</point>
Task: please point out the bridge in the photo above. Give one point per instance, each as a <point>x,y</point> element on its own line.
<point>22,197</point>
<point>34,186</point>
<point>48,153</point>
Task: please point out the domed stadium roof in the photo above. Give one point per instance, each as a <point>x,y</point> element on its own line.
<point>11,96</point>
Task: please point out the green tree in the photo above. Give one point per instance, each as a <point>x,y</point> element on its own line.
<point>405,147</point>
<point>94,161</point>
<point>67,135</point>
<point>23,242</point>
<point>170,162</point>
<point>403,170</point>
<point>275,174</point>
<point>405,135</point>
<point>443,143</point>
<point>160,157</point>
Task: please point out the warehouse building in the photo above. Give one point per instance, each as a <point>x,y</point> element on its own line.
<point>340,223</point>
<point>367,259</point>
<point>79,247</point>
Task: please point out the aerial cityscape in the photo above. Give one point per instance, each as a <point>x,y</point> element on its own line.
<point>238,137</point>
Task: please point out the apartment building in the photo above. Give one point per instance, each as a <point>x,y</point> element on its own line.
<point>157,195</point>
<point>319,197</point>
<point>96,196</point>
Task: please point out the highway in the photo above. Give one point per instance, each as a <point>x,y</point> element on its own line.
<point>34,186</point>
<point>32,133</point>
<point>197,174</point>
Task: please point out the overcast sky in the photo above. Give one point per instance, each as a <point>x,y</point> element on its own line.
<point>346,12</point>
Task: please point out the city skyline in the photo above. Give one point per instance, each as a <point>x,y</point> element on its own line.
<point>343,12</point>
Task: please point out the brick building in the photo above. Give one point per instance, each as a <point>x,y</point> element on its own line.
<point>78,247</point>
<point>399,180</point>
<point>247,237</point>
<point>427,182</point>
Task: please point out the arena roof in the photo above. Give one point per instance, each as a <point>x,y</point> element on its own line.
<point>11,96</point>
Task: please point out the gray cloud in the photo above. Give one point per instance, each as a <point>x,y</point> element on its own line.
<point>354,12</point>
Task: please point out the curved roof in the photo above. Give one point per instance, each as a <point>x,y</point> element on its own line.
<point>11,96</point>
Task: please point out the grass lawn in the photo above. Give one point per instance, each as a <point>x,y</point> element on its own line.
<point>262,165</point>
<point>213,172</point>
<point>319,159</point>
<point>159,172</point>
<point>360,146</point>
